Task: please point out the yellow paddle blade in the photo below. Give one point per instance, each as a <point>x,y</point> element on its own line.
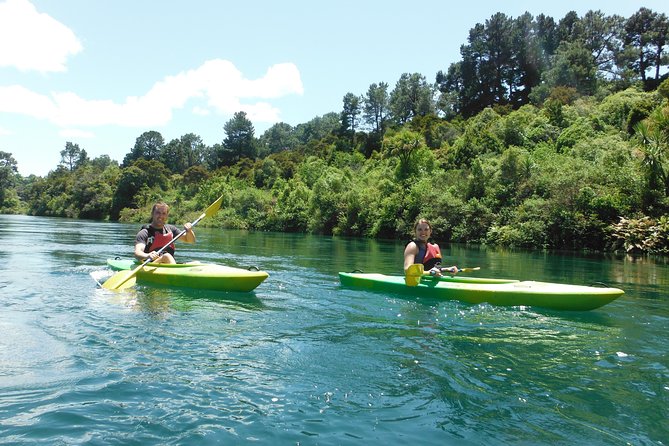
<point>413,274</point>
<point>468,270</point>
<point>215,206</point>
<point>121,280</point>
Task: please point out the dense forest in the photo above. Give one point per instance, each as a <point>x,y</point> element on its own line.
<point>545,134</point>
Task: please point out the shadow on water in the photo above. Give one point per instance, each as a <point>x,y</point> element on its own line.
<point>159,300</point>
<point>581,317</point>
<point>247,301</point>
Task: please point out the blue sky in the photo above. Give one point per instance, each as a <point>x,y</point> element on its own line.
<point>100,73</point>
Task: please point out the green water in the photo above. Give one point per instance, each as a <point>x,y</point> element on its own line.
<point>303,361</point>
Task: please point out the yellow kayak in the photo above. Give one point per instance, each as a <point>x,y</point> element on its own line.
<point>207,276</point>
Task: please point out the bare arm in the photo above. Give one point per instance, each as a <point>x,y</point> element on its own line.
<point>410,254</point>
<point>139,252</point>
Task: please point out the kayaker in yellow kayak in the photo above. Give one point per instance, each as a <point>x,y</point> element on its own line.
<point>420,250</point>
<point>157,234</point>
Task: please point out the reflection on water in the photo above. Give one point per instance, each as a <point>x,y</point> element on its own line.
<point>303,360</point>
<point>159,301</point>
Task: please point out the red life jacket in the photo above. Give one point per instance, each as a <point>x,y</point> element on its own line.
<point>158,239</point>
<point>428,256</point>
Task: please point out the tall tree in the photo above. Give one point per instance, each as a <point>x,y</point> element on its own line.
<point>475,87</point>
<point>451,88</point>
<point>278,137</point>
<point>645,39</point>
<point>498,61</point>
<point>147,146</point>
<point>180,154</point>
<point>568,28</point>
<point>240,141</point>
<point>547,34</point>
<point>173,156</point>
<point>375,105</point>
<point>601,35</point>
<point>8,172</point>
<point>501,63</point>
<point>73,156</point>
<point>527,60</point>
<point>412,96</point>
<point>574,67</point>
<point>350,114</point>
<point>659,42</point>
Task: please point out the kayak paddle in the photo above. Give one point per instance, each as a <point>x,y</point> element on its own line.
<point>416,271</point>
<point>460,270</point>
<point>126,279</point>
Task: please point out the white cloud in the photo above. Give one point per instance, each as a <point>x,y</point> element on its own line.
<point>76,133</point>
<point>218,82</point>
<point>5,132</point>
<point>279,81</point>
<point>200,111</point>
<point>260,111</point>
<point>33,41</point>
<point>20,100</point>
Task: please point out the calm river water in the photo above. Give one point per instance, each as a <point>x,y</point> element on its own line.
<point>303,361</point>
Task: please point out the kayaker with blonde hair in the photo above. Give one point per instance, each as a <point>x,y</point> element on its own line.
<point>421,251</point>
<point>157,234</point>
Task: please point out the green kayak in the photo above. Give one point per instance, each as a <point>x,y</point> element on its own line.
<point>208,276</point>
<point>500,292</point>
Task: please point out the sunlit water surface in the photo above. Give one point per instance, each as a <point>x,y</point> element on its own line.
<point>304,361</point>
